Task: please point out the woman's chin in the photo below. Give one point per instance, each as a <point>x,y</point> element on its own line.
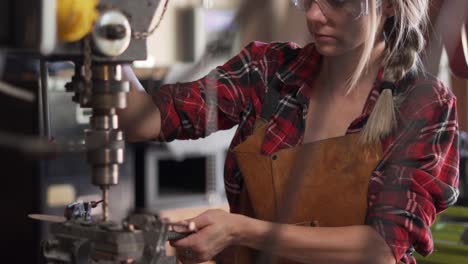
<point>327,50</point>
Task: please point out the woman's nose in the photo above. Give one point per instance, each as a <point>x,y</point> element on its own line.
<point>315,13</point>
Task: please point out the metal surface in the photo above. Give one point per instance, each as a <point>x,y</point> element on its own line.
<point>104,141</point>
<point>75,242</point>
<point>48,218</point>
<point>98,84</point>
<point>100,87</point>
<point>139,239</point>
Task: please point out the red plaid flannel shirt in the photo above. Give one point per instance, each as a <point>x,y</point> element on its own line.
<point>416,178</point>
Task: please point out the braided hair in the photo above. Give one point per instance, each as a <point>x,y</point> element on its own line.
<point>404,42</point>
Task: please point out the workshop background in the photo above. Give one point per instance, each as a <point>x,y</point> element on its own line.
<point>182,178</point>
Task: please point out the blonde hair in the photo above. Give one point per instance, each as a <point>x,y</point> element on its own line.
<point>404,36</point>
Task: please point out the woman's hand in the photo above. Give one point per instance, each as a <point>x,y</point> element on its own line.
<point>217,230</point>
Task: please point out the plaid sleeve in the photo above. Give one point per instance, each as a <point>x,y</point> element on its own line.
<point>418,176</point>
<point>196,109</point>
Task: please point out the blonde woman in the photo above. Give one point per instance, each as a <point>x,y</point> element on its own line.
<point>345,141</point>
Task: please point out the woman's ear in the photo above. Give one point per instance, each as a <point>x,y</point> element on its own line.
<point>388,8</point>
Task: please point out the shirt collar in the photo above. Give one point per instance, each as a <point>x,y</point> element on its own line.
<point>301,72</point>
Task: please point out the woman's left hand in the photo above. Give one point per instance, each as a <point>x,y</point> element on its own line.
<point>217,230</point>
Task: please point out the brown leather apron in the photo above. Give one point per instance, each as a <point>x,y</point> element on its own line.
<point>333,181</point>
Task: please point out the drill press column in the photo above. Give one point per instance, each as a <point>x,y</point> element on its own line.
<point>104,141</point>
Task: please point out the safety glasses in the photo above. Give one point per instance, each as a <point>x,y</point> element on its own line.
<point>353,9</point>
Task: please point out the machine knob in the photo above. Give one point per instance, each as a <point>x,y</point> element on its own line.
<point>112,33</point>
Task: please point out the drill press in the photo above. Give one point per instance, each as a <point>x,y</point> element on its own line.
<point>98,85</point>
<point>98,56</point>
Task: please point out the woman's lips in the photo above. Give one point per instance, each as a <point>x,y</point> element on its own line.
<point>324,37</point>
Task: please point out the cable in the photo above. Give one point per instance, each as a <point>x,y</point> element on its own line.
<point>143,35</point>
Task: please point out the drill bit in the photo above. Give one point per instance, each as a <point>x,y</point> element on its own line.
<point>105,200</point>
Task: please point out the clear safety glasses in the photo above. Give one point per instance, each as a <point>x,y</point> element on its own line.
<point>353,9</point>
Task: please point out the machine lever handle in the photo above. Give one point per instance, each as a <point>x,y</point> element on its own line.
<point>174,236</point>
